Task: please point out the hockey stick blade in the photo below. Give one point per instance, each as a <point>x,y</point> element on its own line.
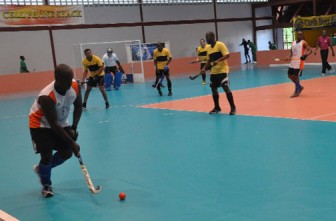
<point>87,178</point>
<point>194,77</point>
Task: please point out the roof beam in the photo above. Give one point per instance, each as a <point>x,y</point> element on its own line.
<point>297,11</point>
<point>280,2</point>
<point>329,9</point>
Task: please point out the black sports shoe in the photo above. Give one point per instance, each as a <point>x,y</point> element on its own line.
<point>107,105</point>
<point>47,191</point>
<point>160,93</point>
<point>233,111</point>
<point>170,93</point>
<point>84,106</point>
<point>300,90</point>
<point>215,111</point>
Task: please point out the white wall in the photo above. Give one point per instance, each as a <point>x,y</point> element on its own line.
<point>234,10</point>
<point>64,39</point>
<point>264,11</point>
<point>183,39</point>
<point>263,37</point>
<point>111,14</point>
<point>34,45</point>
<point>177,12</point>
<point>232,33</point>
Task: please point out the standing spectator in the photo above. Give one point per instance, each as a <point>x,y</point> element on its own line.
<point>324,42</point>
<point>271,46</point>
<point>246,51</point>
<point>253,48</point>
<point>23,66</point>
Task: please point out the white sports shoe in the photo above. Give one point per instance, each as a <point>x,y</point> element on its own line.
<point>331,71</point>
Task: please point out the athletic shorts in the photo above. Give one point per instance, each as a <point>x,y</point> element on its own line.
<point>295,72</point>
<point>112,69</point>
<point>96,80</point>
<point>47,138</point>
<point>159,73</point>
<point>202,65</point>
<point>219,80</point>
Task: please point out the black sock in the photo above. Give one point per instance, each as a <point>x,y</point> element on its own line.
<point>216,100</point>
<point>230,99</point>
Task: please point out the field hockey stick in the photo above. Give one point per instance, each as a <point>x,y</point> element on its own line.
<point>194,62</point>
<point>87,177</point>
<point>159,82</point>
<point>285,59</point>
<point>195,76</point>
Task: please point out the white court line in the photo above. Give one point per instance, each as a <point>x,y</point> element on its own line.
<point>324,115</point>
<point>6,217</point>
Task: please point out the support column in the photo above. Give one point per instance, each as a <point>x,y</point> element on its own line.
<point>52,45</point>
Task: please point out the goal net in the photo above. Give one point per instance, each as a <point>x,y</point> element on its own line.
<point>125,51</point>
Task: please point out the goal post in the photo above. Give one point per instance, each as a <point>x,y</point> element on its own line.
<point>123,50</point>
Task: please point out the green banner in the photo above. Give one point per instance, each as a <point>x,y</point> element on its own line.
<point>314,22</point>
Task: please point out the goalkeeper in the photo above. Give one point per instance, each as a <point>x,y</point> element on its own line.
<point>111,61</point>
<point>297,57</point>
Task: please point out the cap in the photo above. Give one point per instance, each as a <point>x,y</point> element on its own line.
<point>109,50</point>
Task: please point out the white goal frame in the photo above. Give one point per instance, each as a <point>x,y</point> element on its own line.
<point>137,77</point>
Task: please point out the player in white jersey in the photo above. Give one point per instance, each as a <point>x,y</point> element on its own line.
<point>111,61</point>
<point>49,125</point>
<point>298,54</point>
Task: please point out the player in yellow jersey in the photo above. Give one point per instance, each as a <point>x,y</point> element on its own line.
<point>217,60</point>
<point>201,53</point>
<point>95,65</point>
<point>162,58</point>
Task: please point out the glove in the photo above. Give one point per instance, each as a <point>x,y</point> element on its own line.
<point>166,68</point>
<point>121,70</point>
<point>73,133</point>
<point>303,57</point>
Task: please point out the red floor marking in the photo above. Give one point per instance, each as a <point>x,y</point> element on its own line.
<point>316,102</point>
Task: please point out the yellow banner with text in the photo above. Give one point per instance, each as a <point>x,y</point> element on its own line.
<point>15,15</point>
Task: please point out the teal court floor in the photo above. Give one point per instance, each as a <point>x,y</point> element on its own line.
<point>176,165</point>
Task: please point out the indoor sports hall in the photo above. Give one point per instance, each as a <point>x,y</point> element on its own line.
<point>273,160</point>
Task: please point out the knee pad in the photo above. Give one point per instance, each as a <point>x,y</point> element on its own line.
<point>225,85</point>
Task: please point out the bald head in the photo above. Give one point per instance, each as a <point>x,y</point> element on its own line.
<point>159,46</point>
<point>210,37</point>
<point>63,78</point>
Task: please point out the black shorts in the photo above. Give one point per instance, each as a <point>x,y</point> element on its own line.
<point>93,81</point>
<point>47,138</point>
<point>295,72</point>
<point>159,73</point>
<point>219,80</point>
<point>202,65</point>
<point>112,69</point>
